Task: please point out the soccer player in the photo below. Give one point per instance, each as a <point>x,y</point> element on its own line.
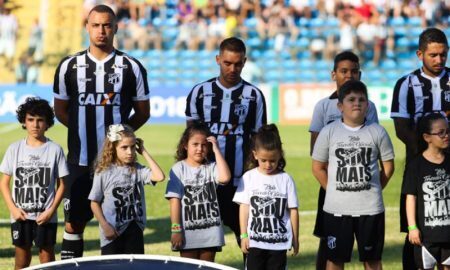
<point>422,91</point>
<point>94,89</point>
<point>346,67</point>
<point>233,109</point>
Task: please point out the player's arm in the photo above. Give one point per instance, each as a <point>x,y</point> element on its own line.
<point>109,231</point>
<point>16,213</point>
<point>413,233</point>
<point>62,111</point>
<point>177,238</point>
<point>320,172</point>
<point>45,216</point>
<point>386,172</point>
<point>141,114</point>
<point>293,213</point>
<point>243,223</point>
<point>312,141</point>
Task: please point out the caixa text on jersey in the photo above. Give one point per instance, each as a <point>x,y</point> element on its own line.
<point>226,128</point>
<point>99,99</point>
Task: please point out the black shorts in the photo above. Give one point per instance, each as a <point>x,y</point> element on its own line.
<point>342,230</point>
<point>77,206</point>
<point>212,249</point>
<point>229,210</point>
<point>428,255</point>
<point>260,259</point>
<point>24,233</point>
<point>318,228</point>
<point>131,241</point>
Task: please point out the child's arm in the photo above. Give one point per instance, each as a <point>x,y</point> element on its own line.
<point>109,231</point>
<point>157,173</point>
<point>175,217</point>
<point>413,231</point>
<point>386,172</point>
<point>45,216</point>
<point>319,170</point>
<point>293,212</point>
<point>222,166</point>
<point>243,222</point>
<point>16,213</point>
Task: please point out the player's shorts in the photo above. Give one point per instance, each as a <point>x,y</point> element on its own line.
<point>229,210</point>
<point>318,227</point>
<point>428,255</point>
<point>341,232</point>
<point>131,241</point>
<point>264,259</point>
<point>24,233</point>
<point>77,206</point>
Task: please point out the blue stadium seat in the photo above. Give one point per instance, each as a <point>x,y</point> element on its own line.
<point>324,65</point>
<point>171,22</point>
<point>306,64</point>
<point>254,42</point>
<point>290,76</point>
<point>323,76</point>
<point>170,33</point>
<point>187,54</point>
<point>170,54</point>
<point>317,22</point>
<point>388,65</point>
<point>398,21</point>
<point>153,63</point>
<point>306,76</point>
<point>255,54</point>
<point>153,54</point>
<point>270,55</point>
<point>289,65</point>
<point>136,53</point>
<point>250,22</point>
<point>375,75</point>
<point>303,43</point>
<point>188,64</point>
<point>272,76</point>
<point>415,22</point>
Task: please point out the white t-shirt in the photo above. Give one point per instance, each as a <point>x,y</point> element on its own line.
<point>269,198</point>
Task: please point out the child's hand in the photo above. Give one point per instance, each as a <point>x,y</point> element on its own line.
<point>414,237</point>
<point>140,145</point>
<point>109,231</point>
<point>44,217</point>
<point>213,141</point>
<point>295,247</point>
<point>244,245</point>
<point>177,240</point>
<point>19,214</point>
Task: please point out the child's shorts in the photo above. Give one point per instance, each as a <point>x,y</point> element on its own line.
<point>341,232</point>
<point>428,255</point>
<point>131,241</point>
<point>24,233</point>
<point>212,249</point>
<point>264,259</point>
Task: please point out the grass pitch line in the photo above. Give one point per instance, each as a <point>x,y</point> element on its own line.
<point>150,219</point>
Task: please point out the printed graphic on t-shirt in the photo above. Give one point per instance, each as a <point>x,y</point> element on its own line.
<point>436,196</point>
<point>353,165</point>
<point>127,201</point>
<point>267,210</point>
<point>201,210</point>
<point>31,182</point>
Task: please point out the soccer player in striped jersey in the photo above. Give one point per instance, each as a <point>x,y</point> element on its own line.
<point>422,91</point>
<point>92,90</point>
<point>233,109</point>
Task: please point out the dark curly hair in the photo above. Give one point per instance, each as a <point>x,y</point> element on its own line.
<point>194,128</point>
<point>36,106</point>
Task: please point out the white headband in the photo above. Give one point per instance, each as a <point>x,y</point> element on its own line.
<point>113,132</point>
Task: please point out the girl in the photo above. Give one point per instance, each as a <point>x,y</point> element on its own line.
<point>117,195</point>
<point>268,204</point>
<point>194,210</point>
<point>427,189</point>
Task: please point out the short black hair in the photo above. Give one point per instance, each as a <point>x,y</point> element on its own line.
<point>36,106</point>
<point>345,55</point>
<point>431,35</point>
<point>351,86</point>
<point>103,9</point>
<point>232,44</point>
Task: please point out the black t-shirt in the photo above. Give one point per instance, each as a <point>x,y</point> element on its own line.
<point>430,183</point>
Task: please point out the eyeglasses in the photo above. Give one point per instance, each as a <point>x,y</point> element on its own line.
<point>441,133</point>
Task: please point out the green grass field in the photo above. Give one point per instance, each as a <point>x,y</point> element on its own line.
<point>161,141</point>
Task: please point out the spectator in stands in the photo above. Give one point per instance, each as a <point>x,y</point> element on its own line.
<point>137,9</point>
<point>192,33</point>
<point>216,30</point>
<point>142,35</point>
<point>8,34</point>
<point>371,36</point>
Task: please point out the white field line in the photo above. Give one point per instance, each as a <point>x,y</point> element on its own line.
<point>302,213</point>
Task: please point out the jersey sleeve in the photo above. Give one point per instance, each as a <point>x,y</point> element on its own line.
<point>399,107</point>
<point>242,193</point>
<point>140,74</point>
<point>317,122</point>
<point>192,112</point>
<point>175,188</point>
<point>96,193</point>
<point>60,87</point>
<point>261,115</point>
<point>144,175</point>
<point>322,145</point>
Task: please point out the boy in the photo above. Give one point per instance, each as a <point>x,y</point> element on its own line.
<point>345,164</point>
<point>37,165</point>
<point>346,67</point>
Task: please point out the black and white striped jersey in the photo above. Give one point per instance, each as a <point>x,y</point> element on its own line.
<point>417,94</point>
<point>100,93</point>
<point>232,115</point>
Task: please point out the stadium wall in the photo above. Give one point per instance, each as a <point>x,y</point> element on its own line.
<point>286,103</point>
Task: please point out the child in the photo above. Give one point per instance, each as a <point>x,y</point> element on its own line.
<point>345,164</point>
<point>117,195</point>
<point>194,210</point>
<point>37,166</point>
<point>427,189</point>
<point>268,211</point>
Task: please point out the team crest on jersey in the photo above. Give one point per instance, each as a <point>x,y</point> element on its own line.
<point>447,96</point>
<point>240,110</point>
<point>114,78</point>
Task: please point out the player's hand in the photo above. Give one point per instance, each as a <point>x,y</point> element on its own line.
<point>414,237</point>
<point>109,231</point>
<point>140,145</point>
<point>245,245</point>
<point>19,214</point>
<point>177,240</point>
<point>44,217</point>
<point>213,141</point>
<point>295,247</point>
